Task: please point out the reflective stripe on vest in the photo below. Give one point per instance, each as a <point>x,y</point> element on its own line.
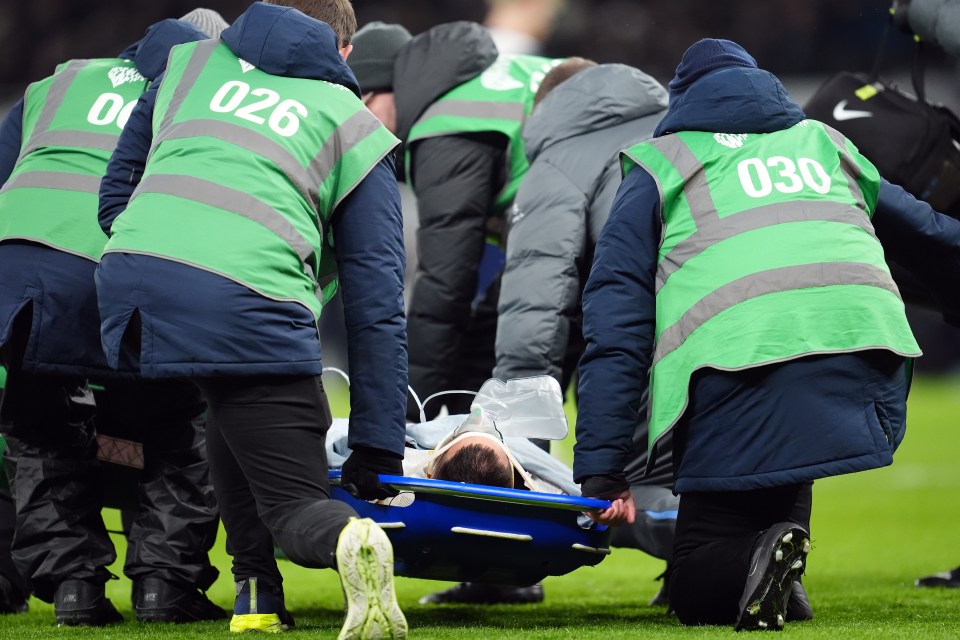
<point>749,276</point>
<point>848,164</point>
<point>348,135</point>
<point>74,118</point>
<point>55,97</point>
<point>802,276</point>
<point>208,154</point>
<point>238,202</point>
<point>58,179</point>
<point>41,136</point>
<point>201,53</point>
<point>498,100</point>
<point>470,109</point>
<point>88,139</point>
<point>306,180</point>
<point>710,228</point>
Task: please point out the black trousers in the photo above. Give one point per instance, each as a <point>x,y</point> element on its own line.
<point>8,517</point>
<point>51,462</point>
<point>265,441</point>
<point>473,364</point>
<point>715,535</point>
<point>176,522</point>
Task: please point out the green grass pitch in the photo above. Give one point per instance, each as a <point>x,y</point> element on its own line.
<point>873,533</point>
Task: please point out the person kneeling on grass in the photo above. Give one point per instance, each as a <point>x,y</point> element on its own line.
<point>307,195</point>
<point>740,279</point>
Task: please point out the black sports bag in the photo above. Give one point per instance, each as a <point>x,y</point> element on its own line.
<point>911,142</point>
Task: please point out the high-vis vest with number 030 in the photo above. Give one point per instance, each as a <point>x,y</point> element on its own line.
<point>768,254</point>
<point>497,100</point>
<point>245,171</point>
<point>71,123</point>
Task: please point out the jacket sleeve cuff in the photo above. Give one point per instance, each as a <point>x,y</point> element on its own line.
<point>605,487</point>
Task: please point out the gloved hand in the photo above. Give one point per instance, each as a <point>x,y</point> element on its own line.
<point>609,487</point>
<point>616,489</point>
<point>360,475</point>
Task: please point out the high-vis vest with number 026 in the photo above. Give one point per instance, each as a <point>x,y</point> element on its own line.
<point>71,123</point>
<point>245,171</point>
<point>497,100</point>
<point>768,254</point>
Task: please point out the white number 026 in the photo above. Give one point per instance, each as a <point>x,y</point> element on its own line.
<point>284,117</point>
<point>757,182</point>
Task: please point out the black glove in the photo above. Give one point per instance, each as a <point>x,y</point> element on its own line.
<point>361,473</point>
<point>607,487</point>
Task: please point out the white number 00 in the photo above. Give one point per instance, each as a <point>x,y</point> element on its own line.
<point>110,108</point>
<point>283,119</point>
<point>756,180</point>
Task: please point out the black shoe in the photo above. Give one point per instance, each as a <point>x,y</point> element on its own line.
<point>662,599</point>
<point>779,557</point>
<point>260,607</point>
<point>156,600</point>
<point>798,606</point>
<point>78,603</point>
<point>11,599</point>
<point>478,593</point>
<point>948,579</point>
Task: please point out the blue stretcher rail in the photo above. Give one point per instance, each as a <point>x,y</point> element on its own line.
<point>484,492</point>
<point>462,532</point>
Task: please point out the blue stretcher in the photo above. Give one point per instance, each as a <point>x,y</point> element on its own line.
<point>474,533</point>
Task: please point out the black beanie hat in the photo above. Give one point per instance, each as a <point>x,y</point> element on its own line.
<point>375,48</point>
<point>704,56</point>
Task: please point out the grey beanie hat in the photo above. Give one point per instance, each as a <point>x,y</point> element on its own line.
<point>375,48</point>
<point>207,20</point>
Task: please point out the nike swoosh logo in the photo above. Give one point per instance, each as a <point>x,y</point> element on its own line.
<point>841,113</point>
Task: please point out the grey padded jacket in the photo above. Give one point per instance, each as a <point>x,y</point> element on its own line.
<point>573,140</point>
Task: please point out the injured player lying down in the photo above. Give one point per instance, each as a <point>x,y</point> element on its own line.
<point>469,449</point>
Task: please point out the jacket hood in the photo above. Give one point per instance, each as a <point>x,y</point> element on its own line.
<point>704,56</point>
<point>130,52</point>
<point>285,42</point>
<point>151,55</point>
<point>732,100</point>
<point>435,62</point>
<point>596,98</point>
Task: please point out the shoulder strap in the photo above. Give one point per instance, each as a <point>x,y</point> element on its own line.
<point>898,16</point>
<point>917,71</point>
<point>878,58</point>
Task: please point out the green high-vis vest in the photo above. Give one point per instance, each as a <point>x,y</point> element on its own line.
<point>498,100</point>
<point>768,254</point>
<point>245,171</point>
<point>71,123</point>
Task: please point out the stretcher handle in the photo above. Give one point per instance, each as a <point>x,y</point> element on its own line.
<point>485,492</point>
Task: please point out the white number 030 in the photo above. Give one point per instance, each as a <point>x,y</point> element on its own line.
<point>790,176</point>
<point>283,118</point>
